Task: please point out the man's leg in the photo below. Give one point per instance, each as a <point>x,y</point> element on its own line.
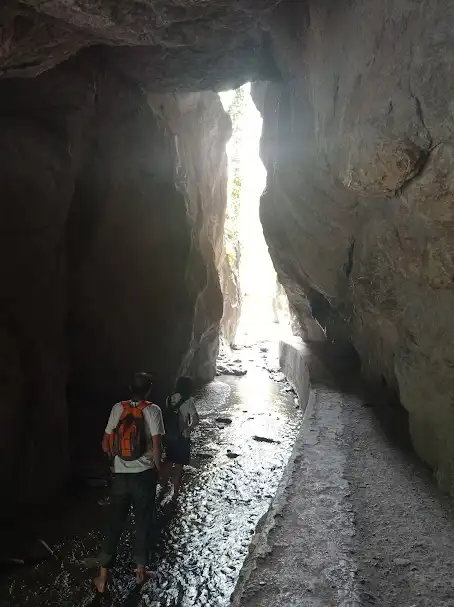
<point>177,478</point>
<point>144,495</point>
<point>184,456</point>
<point>120,501</point>
<point>166,469</point>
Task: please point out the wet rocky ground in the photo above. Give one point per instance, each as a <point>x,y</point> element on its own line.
<point>241,449</point>
<point>360,522</point>
<point>355,519</point>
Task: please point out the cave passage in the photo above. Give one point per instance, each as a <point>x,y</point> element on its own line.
<point>263,306</point>
<point>114,259</point>
<point>240,452</point>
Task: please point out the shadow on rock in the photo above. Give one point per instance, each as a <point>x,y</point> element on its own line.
<point>342,370</point>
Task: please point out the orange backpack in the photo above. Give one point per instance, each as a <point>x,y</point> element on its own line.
<point>129,440</point>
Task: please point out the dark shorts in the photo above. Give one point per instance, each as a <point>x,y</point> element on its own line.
<point>178,450</point>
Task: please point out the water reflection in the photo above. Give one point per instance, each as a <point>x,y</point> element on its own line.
<point>205,545</point>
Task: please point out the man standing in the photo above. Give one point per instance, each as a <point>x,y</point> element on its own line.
<point>133,437</point>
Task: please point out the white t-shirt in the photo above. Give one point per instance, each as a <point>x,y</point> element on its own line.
<point>187,411</point>
<point>153,426</point>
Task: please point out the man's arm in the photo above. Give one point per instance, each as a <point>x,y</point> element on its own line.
<point>156,427</point>
<point>193,417</point>
<point>157,451</point>
<point>105,443</point>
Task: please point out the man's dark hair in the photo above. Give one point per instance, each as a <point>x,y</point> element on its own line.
<point>140,386</point>
<point>185,387</point>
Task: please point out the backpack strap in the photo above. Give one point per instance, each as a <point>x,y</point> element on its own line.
<point>126,404</point>
<point>177,407</point>
<point>143,405</point>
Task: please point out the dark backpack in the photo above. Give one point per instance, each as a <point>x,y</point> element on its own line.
<point>172,422</point>
<point>129,439</point>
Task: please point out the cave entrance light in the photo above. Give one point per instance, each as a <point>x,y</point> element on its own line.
<point>264,310</point>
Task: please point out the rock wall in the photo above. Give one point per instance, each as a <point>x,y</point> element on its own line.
<point>229,270</point>
<point>108,257</point>
<point>163,46</point>
<point>201,129</point>
<point>231,291</point>
<point>358,210</point>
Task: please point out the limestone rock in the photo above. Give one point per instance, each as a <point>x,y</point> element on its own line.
<point>220,60</point>
<point>169,22</point>
<point>31,43</point>
<point>201,129</point>
<point>169,45</point>
<point>227,368</point>
<point>108,256</point>
<point>131,306</point>
<point>358,207</point>
<point>230,287</point>
<point>358,213</point>
<point>37,182</point>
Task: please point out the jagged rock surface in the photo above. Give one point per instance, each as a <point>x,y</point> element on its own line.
<point>201,128</point>
<point>358,208</point>
<point>230,287</point>
<point>166,45</point>
<point>108,257</point>
<point>358,211</point>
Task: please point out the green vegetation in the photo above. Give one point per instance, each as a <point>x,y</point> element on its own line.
<point>236,112</point>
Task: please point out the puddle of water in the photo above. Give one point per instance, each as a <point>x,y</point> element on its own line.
<point>204,541</point>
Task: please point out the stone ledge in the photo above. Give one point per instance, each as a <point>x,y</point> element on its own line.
<point>293,363</point>
<point>302,367</point>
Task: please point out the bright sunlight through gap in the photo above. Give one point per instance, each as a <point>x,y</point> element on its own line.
<point>263,306</point>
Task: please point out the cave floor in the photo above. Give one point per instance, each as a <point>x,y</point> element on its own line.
<point>361,522</point>
<point>241,449</point>
<point>330,510</point>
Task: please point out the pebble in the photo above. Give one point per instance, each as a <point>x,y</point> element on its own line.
<point>224,420</point>
<point>263,439</point>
